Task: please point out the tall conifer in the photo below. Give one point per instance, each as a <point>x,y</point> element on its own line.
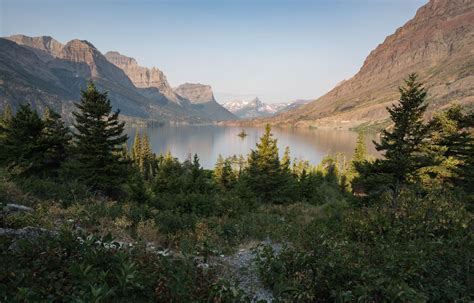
<point>22,151</point>
<point>263,173</point>
<point>55,138</point>
<point>403,146</point>
<point>98,142</point>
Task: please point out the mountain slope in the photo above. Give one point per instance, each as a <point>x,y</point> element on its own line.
<point>150,81</point>
<point>438,44</point>
<point>53,75</point>
<point>202,99</point>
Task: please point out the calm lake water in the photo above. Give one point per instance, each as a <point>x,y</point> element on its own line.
<point>208,141</point>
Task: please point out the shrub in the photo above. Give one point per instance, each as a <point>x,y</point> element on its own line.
<point>65,269</point>
<point>418,251</point>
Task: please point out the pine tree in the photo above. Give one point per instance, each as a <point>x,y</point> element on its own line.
<point>98,142</point>
<point>360,151</point>
<point>7,115</point>
<point>146,157</point>
<point>360,156</point>
<point>218,169</point>
<point>136,149</point>
<point>22,151</point>
<point>263,174</point>
<point>224,175</point>
<point>4,122</point>
<point>403,146</point>
<point>55,138</point>
<point>286,161</point>
<point>451,149</point>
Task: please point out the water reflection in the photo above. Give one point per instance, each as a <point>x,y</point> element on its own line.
<point>208,141</point>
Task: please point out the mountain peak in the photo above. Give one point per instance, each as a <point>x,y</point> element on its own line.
<point>45,47</point>
<point>141,76</point>
<point>77,43</point>
<point>254,108</point>
<point>202,97</point>
<point>120,60</point>
<point>196,92</point>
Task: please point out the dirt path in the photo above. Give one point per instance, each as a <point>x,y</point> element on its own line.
<point>242,269</point>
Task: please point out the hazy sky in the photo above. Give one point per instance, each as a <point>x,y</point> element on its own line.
<point>278,50</point>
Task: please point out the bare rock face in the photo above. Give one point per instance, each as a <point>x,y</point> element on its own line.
<point>196,93</point>
<point>202,97</point>
<point>46,73</point>
<point>143,77</point>
<point>45,47</point>
<point>438,44</point>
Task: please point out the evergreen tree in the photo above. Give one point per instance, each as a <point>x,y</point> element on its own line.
<point>218,169</point>
<point>22,150</point>
<point>451,148</point>
<point>146,157</point>
<point>136,148</point>
<point>98,142</point>
<point>263,174</point>
<point>55,138</point>
<point>360,156</point>
<point>286,161</point>
<point>360,152</point>
<point>7,116</point>
<point>169,173</point>
<point>403,146</point>
<point>224,175</point>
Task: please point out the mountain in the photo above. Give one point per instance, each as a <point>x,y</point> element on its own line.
<point>253,108</point>
<point>438,44</point>
<point>44,72</point>
<point>294,105</point>
<point>202,98</point>
<point>152,82</point>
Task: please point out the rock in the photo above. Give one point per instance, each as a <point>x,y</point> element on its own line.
<point>18,208</point>
<point>241,268</point>
<point>28,233</point>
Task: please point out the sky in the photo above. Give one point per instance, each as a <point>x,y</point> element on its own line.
<point>277,50</point>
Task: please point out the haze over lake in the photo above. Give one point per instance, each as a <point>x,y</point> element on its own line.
<point>208,141</point>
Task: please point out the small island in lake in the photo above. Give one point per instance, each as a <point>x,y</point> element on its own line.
<point>242,134</point>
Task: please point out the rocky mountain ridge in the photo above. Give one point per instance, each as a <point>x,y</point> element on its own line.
<point>247,109</point>
<point>202,98</point>
<point>45,72</point>
<point>438,44</point>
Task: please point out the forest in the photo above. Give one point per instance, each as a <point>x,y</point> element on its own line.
<point>86,218</point>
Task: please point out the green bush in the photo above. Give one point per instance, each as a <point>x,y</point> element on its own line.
<point>419,250</point>
<point>65,192</point>
<point>65,269</point>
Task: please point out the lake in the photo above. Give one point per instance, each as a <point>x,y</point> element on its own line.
<point>208,141</point>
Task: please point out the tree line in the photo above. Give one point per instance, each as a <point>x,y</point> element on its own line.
<point>437,153</point>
